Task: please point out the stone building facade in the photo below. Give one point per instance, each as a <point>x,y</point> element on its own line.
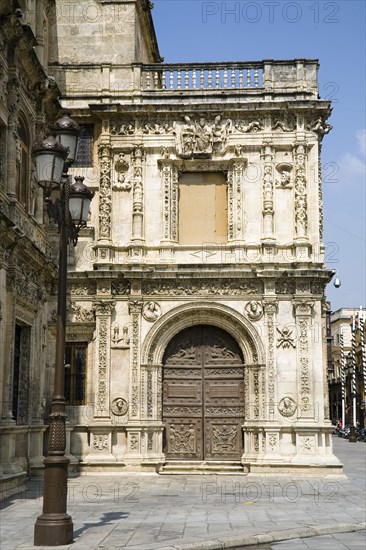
<point>197,291</point>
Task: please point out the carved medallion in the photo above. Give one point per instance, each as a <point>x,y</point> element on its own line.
<point>287,406</point>
<point>119,406</point>
<point>254,310</point>
<point>151,311</point>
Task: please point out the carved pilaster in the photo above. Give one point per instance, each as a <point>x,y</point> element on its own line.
<point>105,192</point>
<point>301,201</point>
<point>13,100</point>
<point>270,308</point>
<point>103,312</point>
<point>303,310</point>
<point>235,200</point>
<point>135,308</point>
<point>170,178</point>
<point>267,155</point>
<point>137,157</point>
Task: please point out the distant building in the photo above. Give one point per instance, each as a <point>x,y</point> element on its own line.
<point>341,323</point>
<point>197,313</point>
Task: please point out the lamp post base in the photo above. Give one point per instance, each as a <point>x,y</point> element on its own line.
<point>53,530</point>
<point>54,527</point>
<point>352,435</point>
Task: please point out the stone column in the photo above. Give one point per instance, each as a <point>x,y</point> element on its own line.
<point>137,232</point>
<point>267,156</point>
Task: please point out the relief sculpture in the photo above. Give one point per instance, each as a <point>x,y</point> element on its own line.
<point>181,439</point>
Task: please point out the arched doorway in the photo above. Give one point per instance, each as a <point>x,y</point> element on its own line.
<point>203,395</point>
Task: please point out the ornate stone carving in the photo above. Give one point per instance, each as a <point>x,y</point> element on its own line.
<point>81,288</point>
<point>284,169</point>
<point>149,393</point>
<point>124,341</point>
<point>105,192</point>
<point>301,215</point>
<point>250,125</point>
<point>254,310</point>
<point>119,406</point>
<point>235,200</point>
<point>285,340</point>
<point>151,311</point>
<point>182,438</point>
<point>287,406</point>
<point>286,122</point>
<point>272,440</point>
<point>201,139</point>
<point>157,127</point>
<point>319,126</point>
<point>81,314</point>
<point>120,288</point>
<point>267,155</point>
<point>304,365</point>
<point>224,439</point>
<point>100,441</point>
<point>134,442</point>
<point>270,308</point>
<point>307,443</point>
<point>135,307</point>
<point>303,307</point>
<point>122,127</point>
<point>170,207</point>
<point>121,167</point>
<point>189,288</point>
<point>284,286</point>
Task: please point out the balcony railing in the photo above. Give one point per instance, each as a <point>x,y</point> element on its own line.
<point>203,76</point>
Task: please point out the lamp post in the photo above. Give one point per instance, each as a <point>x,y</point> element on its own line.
<point>53,156</point>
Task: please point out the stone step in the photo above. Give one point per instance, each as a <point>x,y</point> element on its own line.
<point>177,467</point>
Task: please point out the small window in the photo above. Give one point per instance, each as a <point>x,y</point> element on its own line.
<point>202,208</point>
<point>22,161</point>
<point>75,373</point>
<point>84,153</point>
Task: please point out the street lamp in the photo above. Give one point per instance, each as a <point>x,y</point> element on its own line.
<point>53,156</point>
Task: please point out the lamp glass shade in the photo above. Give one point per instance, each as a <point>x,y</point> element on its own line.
<point>49,166</point>
<point>70,141</point>
<point>79,209</point>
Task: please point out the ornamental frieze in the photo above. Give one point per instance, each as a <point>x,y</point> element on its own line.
<point>190,288</point>
<point>202,138</point>
<point>81,288</point>
<point>285,122</point>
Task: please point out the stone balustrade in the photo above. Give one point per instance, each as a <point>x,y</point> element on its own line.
<point>202,76</point>
<point>260,76</point>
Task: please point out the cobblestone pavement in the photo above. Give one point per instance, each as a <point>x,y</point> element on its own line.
<point>193,512</point>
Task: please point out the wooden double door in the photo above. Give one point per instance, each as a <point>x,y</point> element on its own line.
<point>203,395</point>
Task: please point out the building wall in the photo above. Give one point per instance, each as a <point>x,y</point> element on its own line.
<point>27,272</point>
<point>133,285</point>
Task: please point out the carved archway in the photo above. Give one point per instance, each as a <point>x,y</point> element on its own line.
<point>203,395</point>
<point>202,313</point>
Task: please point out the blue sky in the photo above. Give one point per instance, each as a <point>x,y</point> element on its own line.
<point>334,33</point>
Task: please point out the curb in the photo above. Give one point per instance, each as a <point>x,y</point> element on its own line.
<point>255,540</point>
